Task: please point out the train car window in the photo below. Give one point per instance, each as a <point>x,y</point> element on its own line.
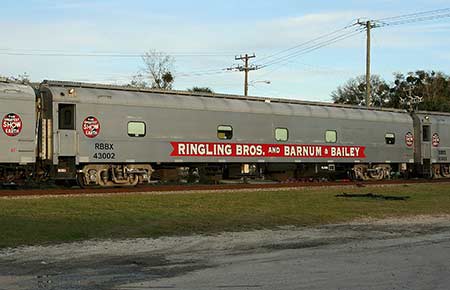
<point>330,136</point>
<point>281,134</point>
<point>66,116</point>
<point>426,133</point>
<point>136,129</point>
<point>390,138</point>
<point>224,132</point>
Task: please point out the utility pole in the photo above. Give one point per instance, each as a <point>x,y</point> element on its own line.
<point>245,68</point>
<point>368,25</point>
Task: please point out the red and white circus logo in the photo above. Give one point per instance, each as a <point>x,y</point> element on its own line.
<point>409,139</point>
<point>436,140</point>
<point>91,127</point>
<point>12,124</point>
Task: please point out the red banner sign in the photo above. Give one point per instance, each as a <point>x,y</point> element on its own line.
<point>203,149</point>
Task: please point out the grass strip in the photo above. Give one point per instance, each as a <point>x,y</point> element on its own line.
<point>29,221</point>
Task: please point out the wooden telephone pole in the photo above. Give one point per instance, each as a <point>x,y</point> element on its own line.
<point>368,25</point>
<point>245,68</point>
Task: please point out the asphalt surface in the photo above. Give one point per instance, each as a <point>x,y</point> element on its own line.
<point>422,263</point>
<point>386,255</point>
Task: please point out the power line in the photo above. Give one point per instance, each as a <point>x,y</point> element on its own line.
<point>413,17</point>
<point>417,14</point>
<point>307,42</point>
<point>199,74</point>
<point>311,48</point>
<point>278,59</point>
<point>280,64</point>
<point>59,53</point>
<point>395,20</point>
<point>285,63</point>
<point>414,20</point>
<point>341,34</point>
<point>56,53</point>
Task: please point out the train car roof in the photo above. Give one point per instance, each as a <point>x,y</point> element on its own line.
<point>17,91</point>
<point>433,113</point>
<point>104,94</point>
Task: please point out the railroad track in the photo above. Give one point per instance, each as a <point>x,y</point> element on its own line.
<point>5,192</point>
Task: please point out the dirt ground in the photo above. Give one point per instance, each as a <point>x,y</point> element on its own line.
<point>137,263</point>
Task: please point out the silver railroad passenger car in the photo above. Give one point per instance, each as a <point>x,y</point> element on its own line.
<point>107,135</point>
<point>18,132</point>
<point>432,147</point>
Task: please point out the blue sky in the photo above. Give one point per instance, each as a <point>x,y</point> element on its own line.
<point>204,37</point>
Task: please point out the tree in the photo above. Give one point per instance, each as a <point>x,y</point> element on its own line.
<point>20,78</point>
<point>23,78</point>
<point>432,87</point>
<point>157,72</point>
<point>201,90</point>
<point>353,92</point>
<point>138,81</point>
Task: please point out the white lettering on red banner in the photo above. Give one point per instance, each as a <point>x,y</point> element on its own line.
<point>202,149</point>
<point>12,124</point>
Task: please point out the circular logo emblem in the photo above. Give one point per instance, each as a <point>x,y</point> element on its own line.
<point>91,127</point>
<point>12,124</point>
<point>436,140</point>
<point>409,139</point>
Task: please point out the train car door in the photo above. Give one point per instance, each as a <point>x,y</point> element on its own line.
<point>426,148</point>
<point>67,137</point>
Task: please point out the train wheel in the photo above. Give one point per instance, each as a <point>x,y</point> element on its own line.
<point>376,174</point>
<point>445,170</point>
<point>80,181</point>
<point>380,172</point>
<point>104,175</point>
<point>436,171</point>
<point>360,171</point>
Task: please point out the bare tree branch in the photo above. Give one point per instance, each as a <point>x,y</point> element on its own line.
<point>157,72</point>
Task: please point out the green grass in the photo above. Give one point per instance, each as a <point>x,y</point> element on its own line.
<point>61,219</point>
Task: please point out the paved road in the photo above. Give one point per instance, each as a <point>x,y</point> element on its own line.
<point>364,256</point>
<point>406,263</point>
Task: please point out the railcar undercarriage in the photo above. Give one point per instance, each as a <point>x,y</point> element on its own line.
<point>441,170</point>
<point>125,175</point>
<point>13,174</point>
<point>372,172</point>
<point>107,175</point>
<point>279,172</point>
